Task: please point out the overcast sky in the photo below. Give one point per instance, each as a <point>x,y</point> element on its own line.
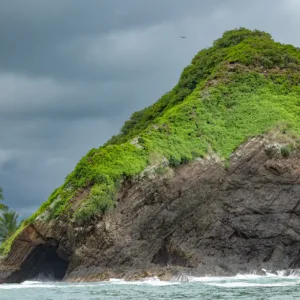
<point>72,71</point>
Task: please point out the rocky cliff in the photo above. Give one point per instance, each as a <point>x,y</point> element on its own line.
<point>199,219</point>
<point>204,182</point>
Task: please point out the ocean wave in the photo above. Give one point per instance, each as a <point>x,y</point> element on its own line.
<point>269,279</point>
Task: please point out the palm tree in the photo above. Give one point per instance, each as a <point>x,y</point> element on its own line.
<point>2,206</point>
<point>8,224</point>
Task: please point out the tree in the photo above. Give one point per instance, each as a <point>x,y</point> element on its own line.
<point>2,206</point>
<point>8,224</point>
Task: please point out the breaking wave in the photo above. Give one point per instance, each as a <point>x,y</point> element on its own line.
<point>268,279</point>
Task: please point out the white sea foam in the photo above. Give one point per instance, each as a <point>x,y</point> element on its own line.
<point>239,284</point>
<point>44,285</point>
<point>154,281</point>
<point>239,276</point>
<point>116,280</point>
<point>252,280</point>
<point>294,274</point>
<point>280,278</point>
<point>31,282</point>
<point>26,285</point>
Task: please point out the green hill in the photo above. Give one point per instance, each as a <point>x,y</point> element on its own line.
<point>245,85</point>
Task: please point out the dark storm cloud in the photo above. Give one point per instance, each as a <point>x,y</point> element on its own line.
<point>47,37</point>
<point>72,71</point>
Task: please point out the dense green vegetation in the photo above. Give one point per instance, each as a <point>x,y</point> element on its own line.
<point>2,206</point>
<point>8,224</point>
<point>244,85</point>
<point>8,221</point>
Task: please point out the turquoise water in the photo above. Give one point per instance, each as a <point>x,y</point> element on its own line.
<point>239,287</point>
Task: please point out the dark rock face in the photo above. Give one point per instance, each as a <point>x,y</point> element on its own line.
<point>200,220</point>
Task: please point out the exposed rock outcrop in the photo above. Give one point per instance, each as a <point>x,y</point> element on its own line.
<point>200,219</point>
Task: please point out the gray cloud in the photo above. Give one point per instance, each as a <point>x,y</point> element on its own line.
<point>71,72</point>
<point>41,35</point>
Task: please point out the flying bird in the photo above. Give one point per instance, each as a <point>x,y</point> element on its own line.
<point>183,37</point>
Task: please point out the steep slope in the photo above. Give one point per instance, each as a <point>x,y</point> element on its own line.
<point>207,178</point>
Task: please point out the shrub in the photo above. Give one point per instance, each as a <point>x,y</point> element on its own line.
<point>174,162</point>
<point>226,164</point>
<point>197,154</point>
<point>184,160</point>
<point>141,140</point>
<point>270,151</point>
<point>285,151</point>
<point>161,170</point>
<point>100,200</point>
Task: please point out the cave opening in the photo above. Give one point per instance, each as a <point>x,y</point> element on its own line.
<point>162,257</point>
<point>43,264</point>
<point>166,256</point>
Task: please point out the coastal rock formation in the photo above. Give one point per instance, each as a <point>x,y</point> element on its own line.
<point>200,219</point>
<point>203,182</point>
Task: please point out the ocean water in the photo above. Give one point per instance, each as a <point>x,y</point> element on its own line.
<point>239,287</point>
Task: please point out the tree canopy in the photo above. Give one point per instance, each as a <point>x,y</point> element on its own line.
<point>8,220</point>
<point>8,224</point>
<point>2,206</point>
